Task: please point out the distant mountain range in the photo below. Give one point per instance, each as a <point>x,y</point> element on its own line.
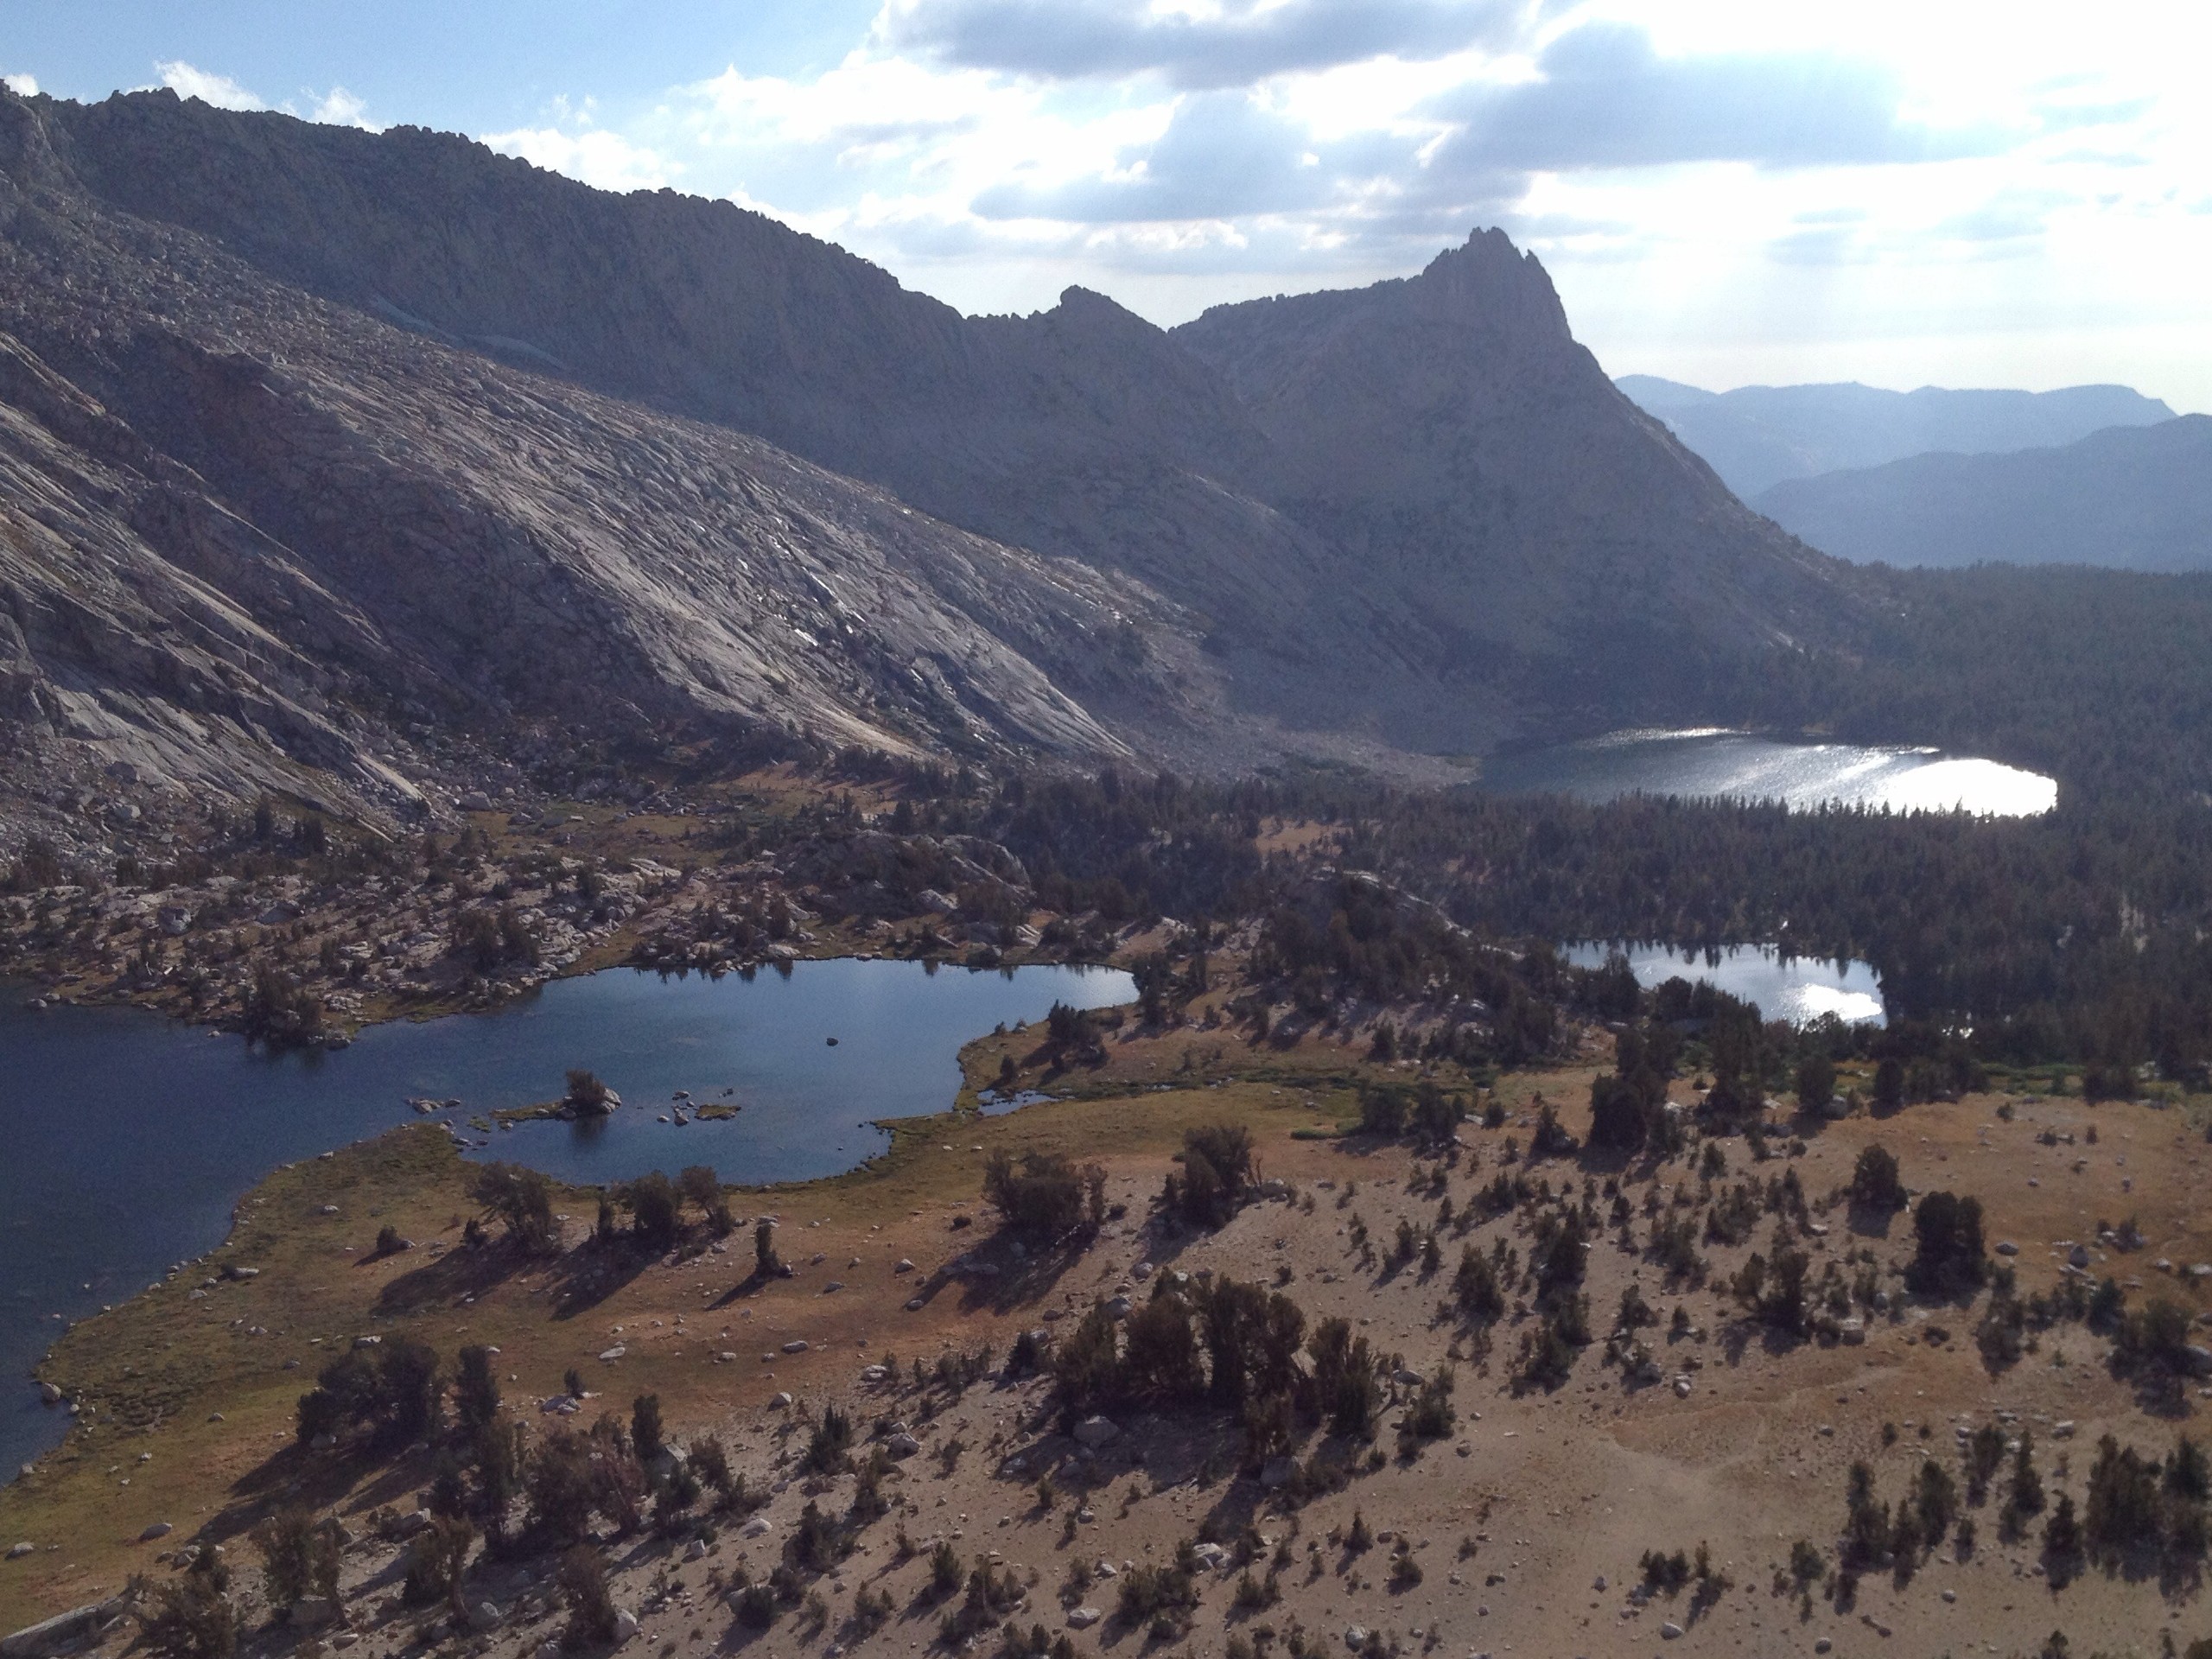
<point>2129,497</point>
<point>1758,436</point>
<point>352,465</point>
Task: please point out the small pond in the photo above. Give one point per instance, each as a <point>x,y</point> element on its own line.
<point>1797,988</point>
<point>129,1137</point>
<point>1733,766</point>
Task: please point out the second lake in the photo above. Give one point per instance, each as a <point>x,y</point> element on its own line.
<point>1797,988</point>
<point>1736,766</point>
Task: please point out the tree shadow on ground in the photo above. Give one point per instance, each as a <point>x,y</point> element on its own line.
<point>752,1285</point>
<point>1775,1341</point>
<point>1867,1221</point>
<point>998,1280</point>
<point>443,1280</point>
<point>594,1271</point>
<point>296,1476</point>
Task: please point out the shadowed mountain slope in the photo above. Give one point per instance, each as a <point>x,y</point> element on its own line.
<point>1449,435</point>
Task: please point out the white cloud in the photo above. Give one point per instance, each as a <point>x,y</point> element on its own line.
<point>187,81</point>
<point>339,108</point>
<point>604,160</point>
<point>1215,44</point>
<point>21,86</point>
<point>1710,180</point>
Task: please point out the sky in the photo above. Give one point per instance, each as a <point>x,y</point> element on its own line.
<point>2012,192</point>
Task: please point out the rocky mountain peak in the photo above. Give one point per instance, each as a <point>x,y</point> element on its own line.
<point>1488,283</point>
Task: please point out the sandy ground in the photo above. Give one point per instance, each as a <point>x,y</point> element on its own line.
<point>1527,1522</point>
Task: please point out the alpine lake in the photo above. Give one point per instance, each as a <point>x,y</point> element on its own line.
<point>131,1137</point>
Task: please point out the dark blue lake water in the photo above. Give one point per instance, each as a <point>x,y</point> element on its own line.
<point>125,1139</point>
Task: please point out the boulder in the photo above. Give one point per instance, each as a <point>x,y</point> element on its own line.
<point>1082,1618</point>
<point>63,1631</point>
<point>758,1527</point>
<point>17,1551</point>
<point>1095,1431</point>
<point>484,1616</point>
<point>159,1530</point>
<point>1356,1636</point>
<point>625,1625</point>
<point>903,1445</point>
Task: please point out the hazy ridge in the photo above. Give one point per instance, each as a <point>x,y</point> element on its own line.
<point>2128,498</point>
<point>1759,437</point>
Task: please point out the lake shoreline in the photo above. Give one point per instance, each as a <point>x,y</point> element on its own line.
<point>168,1194</point>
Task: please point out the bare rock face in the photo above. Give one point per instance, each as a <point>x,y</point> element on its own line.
<point>250,540</point>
